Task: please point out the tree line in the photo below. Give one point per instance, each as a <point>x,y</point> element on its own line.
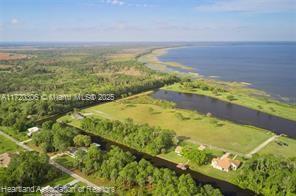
<point>28,169</point>
<point>268,175</point>
<point>55,137</point>
<point>142,137</point>
<point>126,173</point>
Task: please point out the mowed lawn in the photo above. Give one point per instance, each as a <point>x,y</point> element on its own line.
<point>7,146</point>
<point>195,127</point>
<point>283,147</point>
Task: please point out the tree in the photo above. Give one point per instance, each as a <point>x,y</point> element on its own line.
<point>82,140</point>
<point>197,156</point>
<point>268,175</point>
<point>128,173</point>
<point>57,138</point>
<point>186,185</point>
<point>209,190</point>
<point>28,169</point>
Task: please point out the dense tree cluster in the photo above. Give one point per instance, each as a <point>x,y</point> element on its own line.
<point>141,137</point>
<point>70,71</point>
<point>195,155</point>
<point>82,140</point>
<point>200,84</point>
<point>73,71</point>
<point>122,169</point>
<point>28,169</point>
<point>54,137</point>
<point>268,175</point>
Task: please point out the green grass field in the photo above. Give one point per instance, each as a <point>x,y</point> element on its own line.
<point>65,161</point>
<point>283,147</point>
<point>62,180</point>
<point>195,127</point>
<point>243,98</point>
<point>7,146</point>
<point>13,133</point>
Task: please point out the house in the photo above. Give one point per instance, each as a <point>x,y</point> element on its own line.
<point>201,147</point>
<point>32,130</point>
<point>225,163</point>
<point>72,151</point>
<point>5,159</point>
<point>50,191</point>
<point>78,116</point>
<point>178,150</point>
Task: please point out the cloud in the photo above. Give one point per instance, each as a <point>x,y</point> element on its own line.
<point>124,3</point>
<point>113,2</point>
<point>248,6</point>
<point>118,26</point>
<point>14,21</point>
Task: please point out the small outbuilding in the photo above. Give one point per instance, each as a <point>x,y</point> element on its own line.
<point>32,130</point>
<point>202,147</point>
<point>96,144</point>
<point>178,150</point>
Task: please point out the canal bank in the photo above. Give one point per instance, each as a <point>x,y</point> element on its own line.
<point>225,187</point>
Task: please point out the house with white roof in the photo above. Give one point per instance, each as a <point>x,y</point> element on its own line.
<point>32,130</point>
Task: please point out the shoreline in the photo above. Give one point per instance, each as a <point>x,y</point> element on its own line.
<point>151,60</point>
<point>152,57</point>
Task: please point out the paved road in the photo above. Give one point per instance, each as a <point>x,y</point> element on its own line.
<point>26,141</point>
<point>76,176</point>
<point>52,162</point>
<point>258,148</point>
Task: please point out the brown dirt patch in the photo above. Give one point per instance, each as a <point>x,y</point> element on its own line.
<point>12,56</point>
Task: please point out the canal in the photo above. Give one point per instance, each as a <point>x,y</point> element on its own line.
<point>226,188</point>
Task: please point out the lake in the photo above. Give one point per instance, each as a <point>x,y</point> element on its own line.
<point>270,67</point>
<point>228,111</point>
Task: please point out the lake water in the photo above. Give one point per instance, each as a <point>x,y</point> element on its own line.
<point>267,66</point>
<point>228,111</point>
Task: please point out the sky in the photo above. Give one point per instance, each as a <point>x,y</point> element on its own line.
<point>147,20</point>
